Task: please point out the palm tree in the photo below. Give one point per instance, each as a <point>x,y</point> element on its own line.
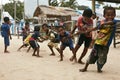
<point>53,2</point>
<point>71,3</point>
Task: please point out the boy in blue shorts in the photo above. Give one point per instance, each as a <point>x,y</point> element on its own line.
<point>66,41</point>
<point>5,32</point>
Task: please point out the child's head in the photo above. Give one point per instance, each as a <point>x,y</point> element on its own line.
<point>109,13</point>
<point>61,31</point>
<point>6,20</point>
<point>26,24</point>
<point>37,28</point>
<point>87,14</point>
<point>45,27</point>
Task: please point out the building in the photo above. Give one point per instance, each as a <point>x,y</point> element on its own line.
<point>30,6</point>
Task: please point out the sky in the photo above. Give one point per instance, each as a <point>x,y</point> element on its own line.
<point>80,2</point>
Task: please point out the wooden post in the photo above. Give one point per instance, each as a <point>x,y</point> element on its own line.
<point>93,5</point>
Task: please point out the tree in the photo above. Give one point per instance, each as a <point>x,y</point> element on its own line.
<point>53,2</point>
<point>71,3</point>
<point>82,7</point>
<point>9,7</point>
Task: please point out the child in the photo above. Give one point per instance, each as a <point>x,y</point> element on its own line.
<point>53,36</point>
<point>103,40</point>
<point>5,32</point>
<point>25,31</point>
<point>66,40</point>
<point>33,41</point>
<point>84,22</point>
<point>25,42</point>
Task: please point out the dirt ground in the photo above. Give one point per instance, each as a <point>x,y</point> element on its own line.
<point>23,66</point>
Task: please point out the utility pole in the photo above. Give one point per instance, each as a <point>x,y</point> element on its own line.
<point>37,3</point>
<point>15,17</point>
<point>16,28</point>
<point>1,13</point>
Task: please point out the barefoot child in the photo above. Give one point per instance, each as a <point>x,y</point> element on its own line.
<point>5,32</point>
<point>103,40</point>
<point>33,41</point>
<point>84,22</point>
<point>53,36</point>
<point>66,41</point>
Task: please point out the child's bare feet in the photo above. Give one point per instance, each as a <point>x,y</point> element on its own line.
<point>81,62</point>
<point>52,54</point>
<point>72,58</point>
<point>6,52</point>
<point>82,70</point>
<point>38,56</point>
<point>34,55</point>
<point>61,60</point>
<point>99,71</point>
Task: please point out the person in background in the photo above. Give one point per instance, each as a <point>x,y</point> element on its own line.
<point>5,32</point>
<point>25,30</point>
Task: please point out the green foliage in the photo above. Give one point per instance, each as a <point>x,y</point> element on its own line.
<point>9,7</point>
<point>71,3</point>
<point>53,2</point>
<point>82,7</point>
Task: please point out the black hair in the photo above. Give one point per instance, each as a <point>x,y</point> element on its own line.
<point>37,28</point>
<point>26,23</point>
<point>6,19</point>
<point>109,8</point>
<point>87,13</point>
<point>44,25</point>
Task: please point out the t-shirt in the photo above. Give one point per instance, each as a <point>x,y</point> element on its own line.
<point>5,29</point>
<point>82,26</point>
<point>35,35</point>
<point>68,40</point>
<point>105,35</point>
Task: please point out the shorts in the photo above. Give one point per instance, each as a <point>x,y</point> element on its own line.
<point>52,44</point>
<point>98,53</point>
<point>34,44</point>
<point>24,37</point>
<point>83,38</point>
<point>6,41</point>
<point>70,45</point>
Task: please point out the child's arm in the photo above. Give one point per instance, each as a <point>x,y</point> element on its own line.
<point>73,29</point>
<point>9,34</point>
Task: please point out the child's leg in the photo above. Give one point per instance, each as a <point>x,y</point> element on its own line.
<point>35,49</point>
<point>82,55</point>
<point>50,45</point>
<point>38,52</point>
<point>6,43</point>
<point>28,49</point>
<point>5,50</point>
<point>58,50</point>
<point>85,68</point>
<point>20,47</point>
<point>51,48</point>
<point>75,51</point>
<point>61,52</point>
